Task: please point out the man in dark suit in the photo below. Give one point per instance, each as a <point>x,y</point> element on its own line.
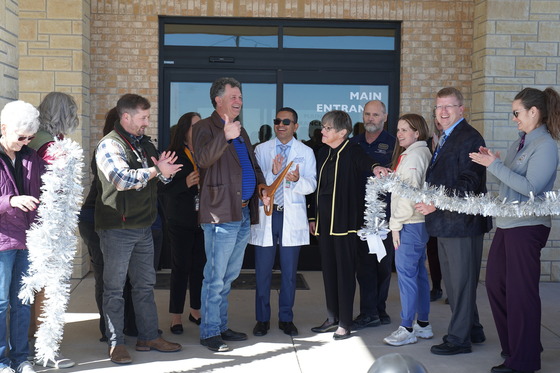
<point>460,236</point>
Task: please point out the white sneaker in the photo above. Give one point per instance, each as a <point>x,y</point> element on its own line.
<point>60,362</point>
<point>400,337</point>
<point>423,332</point>
<point>25,367</point>
<point>6,369</point>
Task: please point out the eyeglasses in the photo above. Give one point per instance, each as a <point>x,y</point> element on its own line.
<point>327,128</point>
<point>446,107</point>
<point>285,122</point>
<point>516,112</point>
<point>23,138</point>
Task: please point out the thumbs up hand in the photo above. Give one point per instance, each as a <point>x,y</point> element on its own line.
<point>231,129</point>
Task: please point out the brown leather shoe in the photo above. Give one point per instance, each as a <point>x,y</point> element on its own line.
<point>158,344</point>
<point>119,355</point>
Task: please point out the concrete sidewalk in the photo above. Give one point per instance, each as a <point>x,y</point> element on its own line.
<point>308,352</point>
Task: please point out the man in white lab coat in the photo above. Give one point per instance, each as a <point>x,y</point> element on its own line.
<point>287,227</point>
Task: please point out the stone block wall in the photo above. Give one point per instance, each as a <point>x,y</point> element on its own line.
<point>9,33</point>
<point>516,45</point>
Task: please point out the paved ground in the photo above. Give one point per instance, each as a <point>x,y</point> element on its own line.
<point>308,352</point>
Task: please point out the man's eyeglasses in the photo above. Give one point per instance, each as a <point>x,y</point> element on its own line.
<point>516,112</point>
<point>446,107</point>
<point>327,128</point>
<point>285,122</point>
<point>23,138</point>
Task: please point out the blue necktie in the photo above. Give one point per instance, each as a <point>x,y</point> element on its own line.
<point>440,145</point>
<point>279,194</point>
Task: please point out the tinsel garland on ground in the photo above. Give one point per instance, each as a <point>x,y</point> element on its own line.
<point>52,243</point>
<point>485,204</point>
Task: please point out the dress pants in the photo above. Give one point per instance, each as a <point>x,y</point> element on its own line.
<point>338,263</point>
<point>187,265</point>
<point>512,279</point>
<point>129,251</point>
<point>433,262</point>
<point>460,259</point>
<point>374,277</point>
<point>264,261</point>
<point>91,239</point>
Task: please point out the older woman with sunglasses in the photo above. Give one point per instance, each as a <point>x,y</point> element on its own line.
<point>20,179</point>
<point>513,269</point>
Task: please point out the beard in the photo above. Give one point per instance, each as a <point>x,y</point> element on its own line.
<point>372,128</point>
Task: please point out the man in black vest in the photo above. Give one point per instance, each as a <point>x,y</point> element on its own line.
<point>128,169</point>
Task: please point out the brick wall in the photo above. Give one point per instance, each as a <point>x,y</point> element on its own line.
<point>516,45</point>
<point>436,42</point>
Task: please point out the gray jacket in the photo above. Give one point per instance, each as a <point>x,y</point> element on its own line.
<point>532,169</point>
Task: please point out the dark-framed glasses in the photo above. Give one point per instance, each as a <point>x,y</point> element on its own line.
<point>23,138</point>
<point>278,121</point>
<point>516,112</point>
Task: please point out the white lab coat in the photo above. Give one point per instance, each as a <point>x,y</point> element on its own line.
<point>295,230</point>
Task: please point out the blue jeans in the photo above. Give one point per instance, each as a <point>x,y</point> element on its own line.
<point>225,246</point>
<point>13,266</point>
<point>264,261</point>
<point>410,260</point>
<point>129,251</point>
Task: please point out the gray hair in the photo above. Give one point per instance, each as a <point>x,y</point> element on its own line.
<point>340,120</point>
<point>58,114</point>
<point>20,116</point>
<point>219,86</point>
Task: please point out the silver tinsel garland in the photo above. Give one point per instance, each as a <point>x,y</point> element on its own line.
<point>484,204</point>
<point>52,243</point>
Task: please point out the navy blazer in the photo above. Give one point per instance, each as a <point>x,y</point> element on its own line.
<point>454,170</point>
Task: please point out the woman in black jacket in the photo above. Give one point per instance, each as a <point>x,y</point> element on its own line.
<point>339,214</point>
<point>185,235</point>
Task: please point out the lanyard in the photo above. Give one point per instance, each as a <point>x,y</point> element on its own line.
<point>141,157</point>
<point>189,154</point>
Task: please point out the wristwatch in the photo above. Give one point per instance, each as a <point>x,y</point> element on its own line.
<point>158,171</point>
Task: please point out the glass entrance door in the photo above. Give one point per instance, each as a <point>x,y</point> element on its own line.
<point>191,92</point>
